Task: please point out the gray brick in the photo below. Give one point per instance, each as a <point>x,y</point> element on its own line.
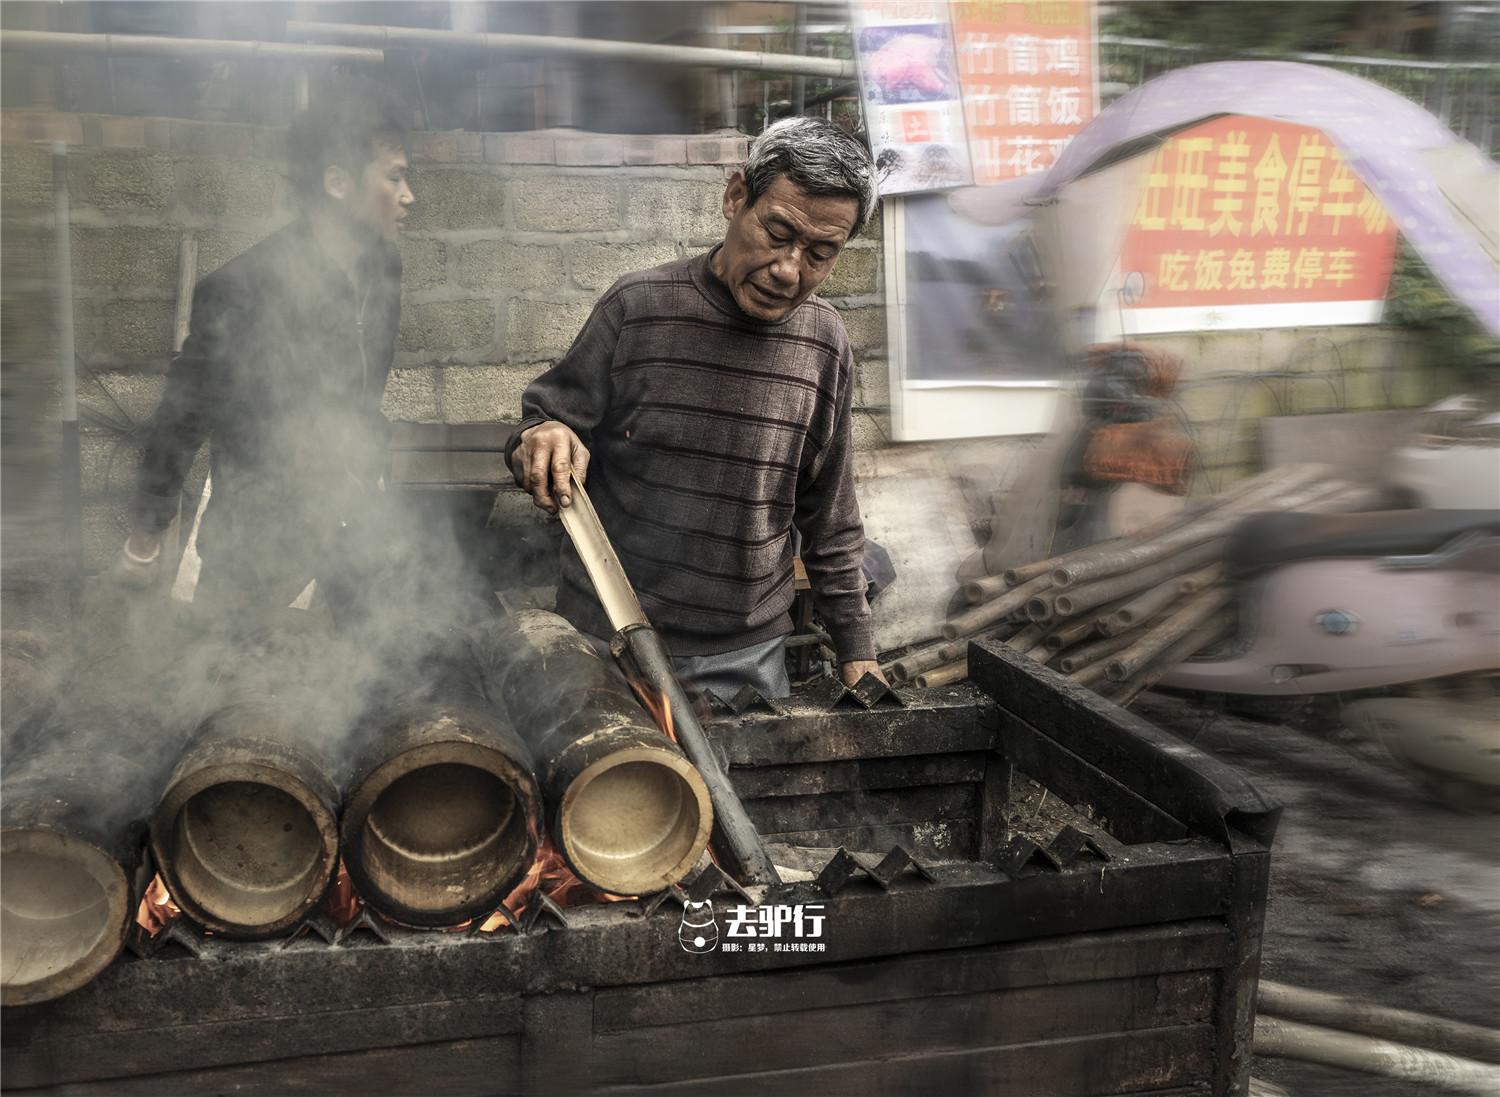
<point>483,394</point>
<point>244,190</point>
<point>108,464</point>
<point>875,230</point>
<point>411,395</point>
<point>489,264</point>
<point>866,327</point>
<point>124,257</point>
<point>596,265</point>
<point>870,430</point>
<point>27,170</point>
<point>217,248</point>
<point>872,380</point>
<point>444,327</point>
<point>448,198</point>
<point>106,524</point>
<point>543,329</point>
<point>568,204</point>
<point>423,262</point>
<point>659,209</point>
<point>137,394</point>
<point>139,329</point>
<point>120,180</point>
<point>855,274</point>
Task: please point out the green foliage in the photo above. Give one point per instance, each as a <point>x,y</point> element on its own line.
<point>1234,27</point>
<point>1418,303</point>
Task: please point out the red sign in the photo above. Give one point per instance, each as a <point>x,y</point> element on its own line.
<point>1252,212</point>
<point>1027,77</point>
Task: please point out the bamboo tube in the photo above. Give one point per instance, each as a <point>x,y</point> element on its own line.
<point>993,612</point>
<point>917,660</point>
<point>1145,606</point>
<point>978,591</point>
<point>944,675</point>
<point>1081,599</point>
<point>1190,645</point>
<point>1198,609</point>
<point>1277,494</point>
<point>1201,579</point>
<point>1294,1040</point>
<point>1040,608</point>
<point>1089,675</point>
<point>1088,654</point>
<point>1075,632</point>
<point>1352,1015</point>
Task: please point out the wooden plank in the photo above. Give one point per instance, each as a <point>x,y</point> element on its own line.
<point>1092,1066</point>
<point>994,795</point>
<point>219,1043</point>
<point>941,840</point>
<point>1208,795</point>
<point>1117,954</point>
<point>450,436</point>
<point>556,1050</point>
<point>876,807</point>
<point>859,773</point>
<point>454,1068</point>
<point>1130,818</point>
<point>462,467</point>
<point>1246,912</point>
<point>805,1038</point>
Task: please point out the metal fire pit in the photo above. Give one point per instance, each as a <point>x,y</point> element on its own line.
<point>1037,894</point>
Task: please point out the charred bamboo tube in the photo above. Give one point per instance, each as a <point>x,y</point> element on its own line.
<point>1081,599</point>
<point>442,817</point>
<point>1352,1015</point>
<point>627,810</point>
<point>1075,632</point>
<point>246,834</point>
<point>1198,609</point>
<point>1089,675</point>
<point>913,663</point>
<point>1145,606</point>
<point>1040,608</point>
<point>735,838</point>
<point>1088,654</point>
<point>1027,638</point>
<point>944,675</point>
<point>1279,493</point>
<point>976,620</point>
<point>1190,645</point>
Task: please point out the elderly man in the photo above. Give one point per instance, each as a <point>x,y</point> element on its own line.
<point>284,368</point>
<point>707,401</point>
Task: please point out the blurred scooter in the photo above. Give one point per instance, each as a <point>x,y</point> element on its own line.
<point>1393,615</point>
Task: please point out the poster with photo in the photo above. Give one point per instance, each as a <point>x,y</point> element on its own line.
<point>909,79</point>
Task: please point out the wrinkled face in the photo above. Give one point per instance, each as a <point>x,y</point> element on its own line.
<point>777,252</point>
<point>380,198</point>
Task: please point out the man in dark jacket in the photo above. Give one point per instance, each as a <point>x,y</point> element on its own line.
<point>284,369</point>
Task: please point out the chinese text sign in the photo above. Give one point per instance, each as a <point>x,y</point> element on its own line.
<point>1248,222</point>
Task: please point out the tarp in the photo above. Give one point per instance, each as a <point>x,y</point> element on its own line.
<point>1442,193</point>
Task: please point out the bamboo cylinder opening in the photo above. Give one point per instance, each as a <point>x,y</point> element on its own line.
<point>246,850</point>
<point>439,833</point>
<point>635,820</point>
<point>63,914</point>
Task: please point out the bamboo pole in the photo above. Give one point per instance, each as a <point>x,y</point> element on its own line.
<point>1145,606</point>
<point>1190,645</point>
<point>1201,579</point>
<point>1294,1040</point>
<point>1088,654</point>
<point>1082,599</point>
<point>1349,1014</point>
<point>1198,609</point>
<point>993,612</point>
<point>944,675</point>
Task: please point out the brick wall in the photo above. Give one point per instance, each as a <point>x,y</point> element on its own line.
<point>513,238</point>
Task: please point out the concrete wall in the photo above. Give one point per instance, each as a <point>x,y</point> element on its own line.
<point>513,238</point>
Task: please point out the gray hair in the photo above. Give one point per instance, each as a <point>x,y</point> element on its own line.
<point>818,157</point>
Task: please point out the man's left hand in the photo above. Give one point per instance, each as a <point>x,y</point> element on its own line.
<point>853,671</point>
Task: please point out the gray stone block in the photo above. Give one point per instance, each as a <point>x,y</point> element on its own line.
<point>492,264</point>
<point>856,274</point>
<point>666,209</point>
<point>120,180</point>
<point>543,329</point>
<point>27,170</point>
<point>448,198</point>
<point>483,394</point>
<point>566,204</point>
<point>444,327</point>
<point>136,330</point>
<point>125,258</point>
<point>597,265</point>
<point>866,327</point>
<point>240,190</point>
<point>424,262</point>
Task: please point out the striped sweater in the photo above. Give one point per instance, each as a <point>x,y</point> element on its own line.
<point>712,435</point>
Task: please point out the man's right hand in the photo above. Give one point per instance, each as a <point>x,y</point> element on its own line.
<point>138,561</point>
<point>548,455</point>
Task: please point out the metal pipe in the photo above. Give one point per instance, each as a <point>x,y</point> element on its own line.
<point>1281,1039</point>
<point>149,45</point>
<point>628,811</point>
<point>735,839</point>
<point>443,815</point>
<point>536,45</point>
<point>1406,1026</point>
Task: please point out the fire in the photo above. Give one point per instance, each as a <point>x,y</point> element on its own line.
<point>157,910</point>
<point>342,902</point>
<point>659,706</point>
<point>549,875</point>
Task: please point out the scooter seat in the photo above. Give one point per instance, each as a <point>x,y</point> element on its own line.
<point>1266,540</point>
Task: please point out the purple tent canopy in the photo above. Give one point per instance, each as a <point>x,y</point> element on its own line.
<point>1382,135</point>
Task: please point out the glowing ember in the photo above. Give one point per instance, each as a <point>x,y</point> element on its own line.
<point>157,910</point>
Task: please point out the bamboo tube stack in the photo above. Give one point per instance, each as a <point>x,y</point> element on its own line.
<point>1117,615</point>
